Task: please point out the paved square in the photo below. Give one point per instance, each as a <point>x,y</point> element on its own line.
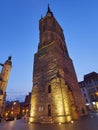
<point>87,123</point>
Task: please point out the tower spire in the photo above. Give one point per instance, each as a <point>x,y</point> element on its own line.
<point>49,12</point>
<point>9,58</point>
<point>41,16</point>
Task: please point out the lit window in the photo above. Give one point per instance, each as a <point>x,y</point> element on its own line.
<point>14,103</point>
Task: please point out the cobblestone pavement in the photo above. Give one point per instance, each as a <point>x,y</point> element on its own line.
<point>87,123</point>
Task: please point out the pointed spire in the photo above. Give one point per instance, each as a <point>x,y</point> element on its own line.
<point>41,16</point>
<point>9,58</point>
<point>49,12</point>
<point>8,61</point>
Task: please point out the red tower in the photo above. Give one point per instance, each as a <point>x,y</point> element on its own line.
<point>56,96</point>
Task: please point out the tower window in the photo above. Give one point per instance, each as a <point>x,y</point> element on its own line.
<point>49,89</point>
<point>84,94</point>
<point>43,28</point>
<point>49,110</point>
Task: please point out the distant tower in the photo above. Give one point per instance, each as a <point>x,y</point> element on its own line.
<point>4,76</point>
<point>56,96</point>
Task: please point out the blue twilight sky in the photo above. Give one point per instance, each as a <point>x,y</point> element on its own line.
<point>19,37</point>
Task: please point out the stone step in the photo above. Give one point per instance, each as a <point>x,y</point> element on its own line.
<point>47,120</point>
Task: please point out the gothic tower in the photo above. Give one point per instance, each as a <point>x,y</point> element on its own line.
<point>4,76</point>
<point>56,96</point>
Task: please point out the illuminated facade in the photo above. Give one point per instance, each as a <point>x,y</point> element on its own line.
<point>26,106</point>
<point>4,76</point>
<point>12,110</point>
<point>56,97</point>
<point>90,84</point>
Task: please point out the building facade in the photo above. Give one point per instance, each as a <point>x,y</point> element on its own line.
<point>25,109</point>
<point>90,85</point>
<point>11,110</point>
<point>4,76</point>
<point>56,96</point>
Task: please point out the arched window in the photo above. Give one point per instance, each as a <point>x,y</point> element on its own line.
<point>49,89</point>
<point>49,110</point>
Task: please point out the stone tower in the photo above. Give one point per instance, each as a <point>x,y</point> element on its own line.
<point>4,76</point>
<point>56,96</point>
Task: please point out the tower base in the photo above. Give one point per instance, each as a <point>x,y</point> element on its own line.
<point>50,120</point>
